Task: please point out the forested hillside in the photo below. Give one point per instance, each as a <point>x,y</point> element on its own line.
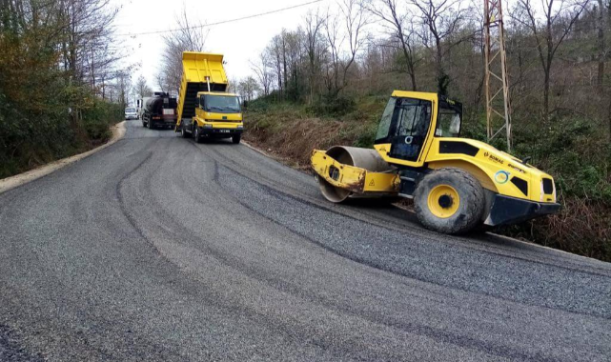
<point>59,88</point>
<point>326,81</point>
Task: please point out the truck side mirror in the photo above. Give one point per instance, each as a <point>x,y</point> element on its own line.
<point>245,104</point>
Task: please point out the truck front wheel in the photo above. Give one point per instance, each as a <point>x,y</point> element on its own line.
<point>236,139</point>
<point>450,201</point>
<point>197,134</point>
<point>183,131</point>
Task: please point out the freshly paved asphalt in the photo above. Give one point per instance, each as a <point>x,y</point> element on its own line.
<point>160,249</point>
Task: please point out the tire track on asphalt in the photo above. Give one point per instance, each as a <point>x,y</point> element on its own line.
<point>121,199</point>
<point>435,334</point>
<point>212,297</point>
<point>398,224</point>
<point>292,289</point>
<point>11,349</point>
<point>380,266</point>
<point>422,234</point>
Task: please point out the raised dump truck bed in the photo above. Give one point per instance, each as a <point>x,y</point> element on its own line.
<point>202,72</point>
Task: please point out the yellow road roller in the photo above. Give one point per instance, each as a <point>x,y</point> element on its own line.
<point>456,183</point>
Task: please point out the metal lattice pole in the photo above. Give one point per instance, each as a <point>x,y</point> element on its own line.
<point>496,77</point>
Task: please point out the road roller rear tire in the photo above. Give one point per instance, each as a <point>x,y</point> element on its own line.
<point>450,201</point>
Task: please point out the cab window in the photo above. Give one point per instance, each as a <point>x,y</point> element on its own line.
<point>449,120</point>
<point>413,118</point>
<point>384,126</point>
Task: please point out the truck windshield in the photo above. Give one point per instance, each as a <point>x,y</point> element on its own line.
<point>130,110</point>
<point>222,104</point>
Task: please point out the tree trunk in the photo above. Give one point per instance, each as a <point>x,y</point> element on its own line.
<point>609,115</point>
<point>602,46</point>
<point>409,61</point>
<point>442,78</point>
<point>284,65</point>
<point>546,87</point>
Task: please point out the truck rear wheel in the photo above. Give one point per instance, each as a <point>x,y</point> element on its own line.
<point>450,201</point>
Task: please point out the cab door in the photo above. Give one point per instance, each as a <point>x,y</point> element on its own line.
<point>409,129</point>
<point>406,126</point>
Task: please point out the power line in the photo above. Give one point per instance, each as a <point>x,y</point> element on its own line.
<point>224,21</point>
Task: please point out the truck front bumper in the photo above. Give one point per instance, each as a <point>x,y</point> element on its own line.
<point>221,132</point>
<point>508,210</point>
<point>163,122</point>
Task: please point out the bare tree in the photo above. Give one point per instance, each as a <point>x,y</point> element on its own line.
<point>161,82</point>
<point>388,12</point>
<point>355,20</point>
<point>549,34</point>
<point>247,88</point>
<point>601,25</point>
<point>188,38</point>
<point>276,54</point>
<point>123,86</point>
<point>263,72</point>
<point>142,88</point>
<point>314,24</point>
<point>440,19</point>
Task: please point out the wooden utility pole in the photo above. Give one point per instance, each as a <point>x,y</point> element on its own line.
<point>498,106</point>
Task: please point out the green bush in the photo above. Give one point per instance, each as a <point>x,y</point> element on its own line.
<point>45,128</point>
<point>326,106</point>
<point>367,137</point>
<point>98,118</point>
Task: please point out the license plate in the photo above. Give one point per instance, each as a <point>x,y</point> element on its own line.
<point>223,131</point>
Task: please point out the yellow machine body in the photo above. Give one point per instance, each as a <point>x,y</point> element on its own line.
<point>516,190</point>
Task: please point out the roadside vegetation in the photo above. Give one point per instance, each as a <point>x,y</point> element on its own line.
<point>59,88</point>
<point>327,81</point>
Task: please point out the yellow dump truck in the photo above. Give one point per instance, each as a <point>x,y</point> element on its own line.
<point>205,109</point>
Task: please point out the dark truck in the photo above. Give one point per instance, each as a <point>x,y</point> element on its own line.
<point>159,111</point>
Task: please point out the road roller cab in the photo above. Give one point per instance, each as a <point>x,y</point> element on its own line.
<point>456,183</point>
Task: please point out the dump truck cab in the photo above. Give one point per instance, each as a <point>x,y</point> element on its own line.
<point>205,109</point>
<point>456,183</point>
<point>218,115</point>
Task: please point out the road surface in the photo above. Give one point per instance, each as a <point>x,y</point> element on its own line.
<point>160,249</point>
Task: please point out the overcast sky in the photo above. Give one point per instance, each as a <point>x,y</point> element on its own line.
<point>239,41</point>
